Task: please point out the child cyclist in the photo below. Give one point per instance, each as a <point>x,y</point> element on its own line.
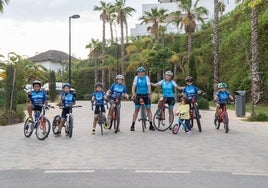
<point>184,112</point>
<point>117,90</point>
<point>221,97</point>
<point>98,97</point>
<point>191,90</point>
<point>68,100</point>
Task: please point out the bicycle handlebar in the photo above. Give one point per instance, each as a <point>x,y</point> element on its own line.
<point>94,104</point>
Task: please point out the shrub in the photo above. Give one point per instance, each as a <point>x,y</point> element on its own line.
<point>203,103</point>
<point>258,117</point>
<point>12,117</point>
<point>2,97</point>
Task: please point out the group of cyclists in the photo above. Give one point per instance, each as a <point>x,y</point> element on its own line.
<point>141,89</point>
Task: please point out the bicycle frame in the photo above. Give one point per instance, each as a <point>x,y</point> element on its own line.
<point>222,110</point>
<point>100,115</point>
<point>222,117</point>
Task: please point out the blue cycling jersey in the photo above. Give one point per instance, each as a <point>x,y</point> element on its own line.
<point>68,100</point>
<point>117,90</point>
<point>99,97</point>
<point>142,84</point>
<point>223,96</point>
<point>191,91</point>
<point>167,87</point>
<point>37,98</point>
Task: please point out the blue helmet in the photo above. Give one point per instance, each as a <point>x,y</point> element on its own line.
<point>222,85</point>
<point>66,85</point>
<point>141,69</point>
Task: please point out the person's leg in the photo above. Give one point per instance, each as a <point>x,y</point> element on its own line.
<point>30,110</point>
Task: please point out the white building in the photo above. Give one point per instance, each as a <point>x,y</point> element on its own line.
<point>171,6</point>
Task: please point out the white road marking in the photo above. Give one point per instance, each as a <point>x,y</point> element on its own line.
<point>163,171</point>
<point>67,171</point>
<point>250,173</point>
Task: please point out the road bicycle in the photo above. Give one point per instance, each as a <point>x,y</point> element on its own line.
<point>68,123</point>
<point>194,114</point>
<point>163,117</point>
<point>41,124</point>
<point>100,114</point>
<point>222,117</point>
<point>180,124</point>
<point>115,114</point>
<point>143,114</point>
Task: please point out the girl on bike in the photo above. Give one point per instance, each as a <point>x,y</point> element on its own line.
<point>98,97</point>
<point>184,111</point>
<point>168,85</point>
<point>68,100</point>
<point>117,90</point>
<point>141,88</point>
<point>222,96</point>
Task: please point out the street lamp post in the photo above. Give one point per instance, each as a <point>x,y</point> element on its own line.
<point>70,58</point>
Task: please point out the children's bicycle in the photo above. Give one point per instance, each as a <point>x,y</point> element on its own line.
<point>163,117</point>
<point>180,123</point>
<point>100,115</point>
<point>115,115</point>
<point>143,114</point>
<point>222,118</point>
<point>41,124</point>
<point>194,114</point>
<point>68,124</point>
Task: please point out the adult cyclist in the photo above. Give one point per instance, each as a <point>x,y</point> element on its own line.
<point>141,88</point>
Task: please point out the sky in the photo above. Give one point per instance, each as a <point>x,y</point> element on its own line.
<point>29,27</point>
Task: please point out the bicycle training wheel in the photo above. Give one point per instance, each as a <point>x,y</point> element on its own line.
<point>42,130</point>
<point>28,128</point>
<point>226,122</point>
<point>55,123</point>
<point>116,120</point>
<point>162,120</point>
<point>175,128</point>
<point>197,117</point>
<point>70,131</point>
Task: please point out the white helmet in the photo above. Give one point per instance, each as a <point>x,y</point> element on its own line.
<point>169,73</point>
<point>119,76</point>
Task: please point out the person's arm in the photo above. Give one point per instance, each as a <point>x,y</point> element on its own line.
<point>149,85</point>
<point>154,84</point>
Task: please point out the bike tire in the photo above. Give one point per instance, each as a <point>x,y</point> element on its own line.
<point>117,120</point>
<point>42,134</point>
<point>197,117</point>
<point>143,119</point>
<point>55,123</point>
<point>217,122</point>
<point>71,125</point>
<point>163,123</point>
<point>176,128</point>
<point>100,122</point>
<point>28,128</point>
<point>226,122</point>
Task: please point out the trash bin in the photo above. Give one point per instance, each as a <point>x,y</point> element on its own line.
<point>240,103</point>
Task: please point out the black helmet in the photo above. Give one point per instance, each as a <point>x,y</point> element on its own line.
<point>66,85</point>
<point>36,82</point>
<point>189,79</point>
<point>98,84</point>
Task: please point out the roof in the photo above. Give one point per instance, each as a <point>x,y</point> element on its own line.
<point>51,55</point>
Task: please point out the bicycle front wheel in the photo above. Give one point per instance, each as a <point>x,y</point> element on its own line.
<point>55,123</point>
<point>226,122</point>
<point>42,130</point>
<point>175,128</point>
<point>71,123</point>
<point>143,119</point>
<point>117,120</point>
<point>163,119</point>
<point>197,117</point>
<point>28,127</point>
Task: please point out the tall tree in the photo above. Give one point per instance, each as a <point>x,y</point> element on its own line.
<point>2,3</point>
<point>156,17</point>
<point>122,11</point>
<point>216,44</point>
<point>193,13</point>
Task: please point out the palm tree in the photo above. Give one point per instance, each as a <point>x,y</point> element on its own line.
<point>2,3</point>
<point>216,44</point>
<point>122,12</point>
<point>111,19</point>
<point>192,13</point>
<point>156,17</point>
<point>104,16</point>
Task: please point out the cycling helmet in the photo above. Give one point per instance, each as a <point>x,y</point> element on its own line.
<point>120,76</point>
<point>222,85</point>
<point>98,85</point>
<point>189,79</point>
<point>141,69</point>
<point>169,73</point>
<point>66,85</point>
<point>36,82</point>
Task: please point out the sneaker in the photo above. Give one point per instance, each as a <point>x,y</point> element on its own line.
<point>58,132</point>
<point>132,128</point>
<point>31,119</point>
<point>151,128</point>
<point>106,126</point>
<point>93,132</point>
<point>189,132</point>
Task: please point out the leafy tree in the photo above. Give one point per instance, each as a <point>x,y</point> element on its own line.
<point>2,3</point>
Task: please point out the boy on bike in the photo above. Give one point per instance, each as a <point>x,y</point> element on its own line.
<point>141,88</point>
<point>117,90</point>
<point>221,97</point>
<point>98,97</point>
<point>191,90</point>
<point>36,98</point>
<point>184,111</point>
<point>68,100</point>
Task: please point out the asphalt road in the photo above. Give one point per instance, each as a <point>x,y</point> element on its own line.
<point>136,159</point>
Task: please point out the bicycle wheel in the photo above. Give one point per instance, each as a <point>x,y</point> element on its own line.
<point>28,128</point>
<point>162,120</point>
<point>143,118</point>
<point>71,123</point>
<point>55,123</point>
<point>176,128</point>
<point>191,119</point>
<point>42,131</point>
<point>217,122</point>
<point>226,122</point>
<point>197,117</point>
<point>100,122</point>
<point>117,120</point>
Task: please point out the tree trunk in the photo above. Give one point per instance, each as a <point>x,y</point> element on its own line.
<point>103,55</point>
<point>122,48</point>
<point>190,43</point>
<point>111,31</point>
<point>95,71</point>
<point>126,27</point>
<point>216,60</point>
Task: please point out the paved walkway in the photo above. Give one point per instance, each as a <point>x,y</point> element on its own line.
<point>243,149</point>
